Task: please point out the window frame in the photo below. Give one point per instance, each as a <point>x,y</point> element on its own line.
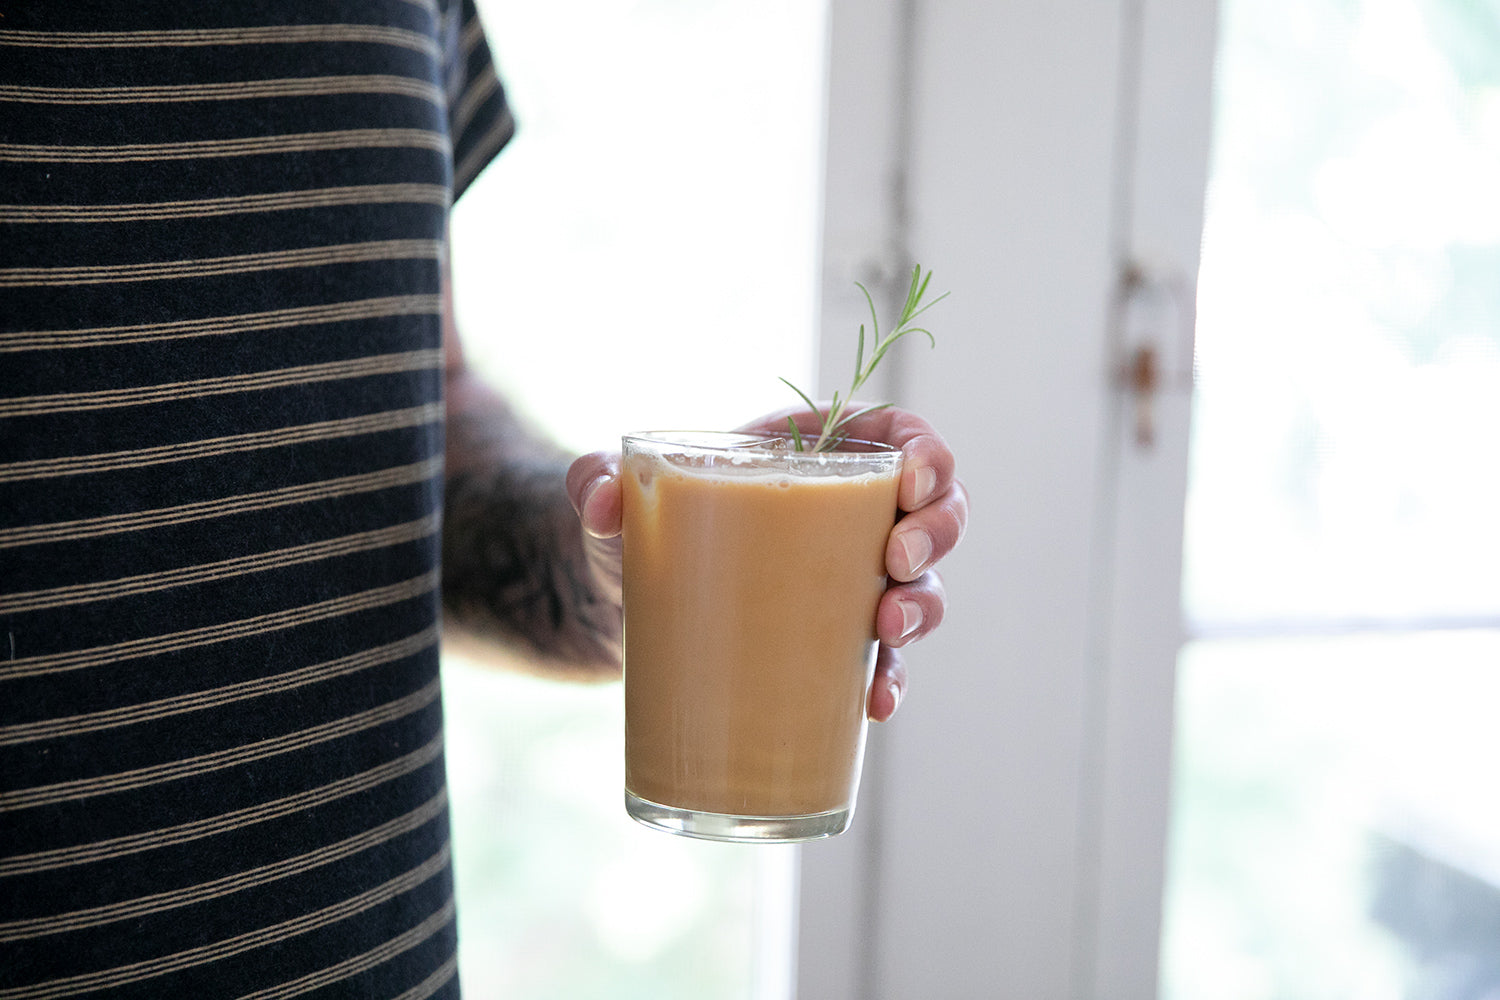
<point>1033,156</point>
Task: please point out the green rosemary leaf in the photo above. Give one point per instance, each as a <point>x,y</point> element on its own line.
<point>874,318</point>
<point>833,421</point>
<point>859,413</point>
<point>796,434</point>
<point>805,397</point>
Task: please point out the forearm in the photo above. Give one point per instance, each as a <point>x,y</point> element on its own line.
<point>515,568</point>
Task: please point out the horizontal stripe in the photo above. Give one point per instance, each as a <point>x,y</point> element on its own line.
<point>239,944</point>
<point>215,697</point>
<point>289,34</point>
<point>77,789</point>
<point>237,90</point>
<point>274,378</point>
<point>230,444</point>
<point>225,569</point>
<point>279,201</point>
<point>301,142</point>
<point>213,326</point>
<point>145,906</point>
<point>243,263</point>
<point>244,503</point>
<point>171,836</point>
<point>476,92</point>
<point>483,151</point>
<point>432,983</point>
<point>351,967</point>
<point>472,35</point>
<point>172,642</point>
<point>196,701</point>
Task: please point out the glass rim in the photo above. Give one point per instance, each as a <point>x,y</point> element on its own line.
<point>748,441</point>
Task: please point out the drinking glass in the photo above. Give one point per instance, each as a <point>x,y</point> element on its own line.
<point>752,572</point>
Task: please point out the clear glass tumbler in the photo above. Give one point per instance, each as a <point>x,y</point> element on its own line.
<point>751,578</point>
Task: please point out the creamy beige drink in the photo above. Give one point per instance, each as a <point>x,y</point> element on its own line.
<point>750,586</point>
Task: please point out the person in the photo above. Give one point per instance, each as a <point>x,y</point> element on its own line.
<point>246,480</point>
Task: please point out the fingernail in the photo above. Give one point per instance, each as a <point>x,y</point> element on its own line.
<point>588,495</point>
<point>895,690</point>
<point>911,619</point>
<point>917,548</point>
<point>923,483</point>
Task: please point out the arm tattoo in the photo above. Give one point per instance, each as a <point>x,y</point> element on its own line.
<point>515,568</point>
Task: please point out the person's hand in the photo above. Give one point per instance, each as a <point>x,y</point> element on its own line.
<point>594,490</point>
<point>934,513</point>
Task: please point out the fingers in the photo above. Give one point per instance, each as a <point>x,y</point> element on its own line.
<point>928,465</point>
<point>594,490</point>
<point>888,687</point>
<point>928,461</point>
<point>927,534</point>
<point>908,611</point>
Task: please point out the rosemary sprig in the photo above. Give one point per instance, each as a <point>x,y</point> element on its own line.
<point>834,421</point>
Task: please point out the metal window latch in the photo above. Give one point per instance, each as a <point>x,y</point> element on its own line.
<point>1153,326</point>
<point>1142,378</point>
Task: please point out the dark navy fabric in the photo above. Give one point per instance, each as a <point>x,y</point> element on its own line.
<point>221,434</point>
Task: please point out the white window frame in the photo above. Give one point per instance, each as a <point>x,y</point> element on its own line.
<point>1011,834</point>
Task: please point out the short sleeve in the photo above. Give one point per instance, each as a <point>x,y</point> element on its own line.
<point>479,117</point>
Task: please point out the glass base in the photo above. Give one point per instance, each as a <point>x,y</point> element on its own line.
<point>736,829</point>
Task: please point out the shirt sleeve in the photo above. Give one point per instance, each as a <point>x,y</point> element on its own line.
<point>479,117</point>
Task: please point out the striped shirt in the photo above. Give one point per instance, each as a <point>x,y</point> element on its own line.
<point>221,434</point>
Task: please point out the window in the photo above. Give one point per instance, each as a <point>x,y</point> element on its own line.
<point>643,255</point>
<point>1335,830</point>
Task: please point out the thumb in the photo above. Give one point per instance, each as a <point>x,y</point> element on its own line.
<point>594,490</point>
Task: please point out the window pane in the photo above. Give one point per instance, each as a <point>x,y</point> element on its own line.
<point>1347,424</point>
<point>560,893</point>
<point>1334,830</point>
<point>1337,834</point>
<point>643,254</point>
